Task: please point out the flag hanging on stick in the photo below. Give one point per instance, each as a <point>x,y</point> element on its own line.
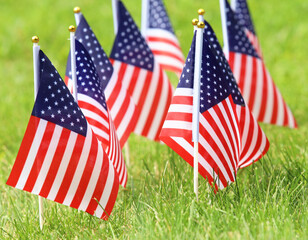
<point>143,77</point>
<point>229,136</point>
<point>60,157</point>
<point>121,105</point>
<point>243,16</point>
<point>157,30</point>
<point>254,80</point>
<point>91,100</point>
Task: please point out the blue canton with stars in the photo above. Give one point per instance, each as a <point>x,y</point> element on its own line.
<point>130,47</point>
<point>85,35</point>
<point>88,81</point>
<point>238,41</point>
<point>216,82</point>
<point>214,45</point>
<point>54,102</point>
<point>243,15</point>
<point>158,17</point>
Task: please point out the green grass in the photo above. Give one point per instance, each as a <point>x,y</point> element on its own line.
<point>269,199</point>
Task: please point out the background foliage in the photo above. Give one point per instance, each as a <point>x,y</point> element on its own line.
<point>269,199</point>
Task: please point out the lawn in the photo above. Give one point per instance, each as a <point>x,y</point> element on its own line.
<point>269,198</point>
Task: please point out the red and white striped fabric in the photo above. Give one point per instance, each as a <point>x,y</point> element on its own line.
<point>141,75</point>
<point>60,157</point>
<point>254,41</point>
<point>161,37</point>
<point>254,80</point>
<point>92,102</point>
<point>229,136</point>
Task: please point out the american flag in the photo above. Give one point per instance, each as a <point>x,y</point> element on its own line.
<point>161,37</point>
<point>91,100</point>
<point>229,136</point>
<point>122,107</point>
<point>60,157</point>
<point>145,80</point>
<point>244,18</point>
<point>254,80</point>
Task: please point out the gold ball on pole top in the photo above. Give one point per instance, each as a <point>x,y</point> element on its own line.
<point>201,25</point>
<point>35,39</point>
<point>72,28</point>
<point>195,21</point>
<point>77,9</point>
<point>201,11</point>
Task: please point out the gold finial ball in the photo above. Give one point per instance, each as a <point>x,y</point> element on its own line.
<point>195,21</point>
<point>201,25</point>
<point>201,11</point>
<point>35,39</point>
<point>72,28</point>
<point>76,9</point>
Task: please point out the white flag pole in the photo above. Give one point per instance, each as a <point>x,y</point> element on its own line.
<point>144,16</point>
<point>201,13</point>
<point>77,14</point>
<point>196,101</point>
<point>115,15</point>
<point>224,27</point>
<point>72,30</point>
<point>36,71</point>
<point>233,4</point>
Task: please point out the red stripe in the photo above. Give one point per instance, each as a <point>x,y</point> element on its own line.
<point>187,100</point>
<point>179,116</point>
<point>71,168</point>
<point>168,54</point>
<point>86,175</point>
<point>100,185</point>
<point>275,103</point>
<point>253,86</point>
<point>129,128</point>
<point>264,96</point>
<point>23,151</point>
<point>55,163</point>
<point>122,111</point>
<point>133,81</point>
<point>163,40</point>
<point>112,198</point>
<point>154,106</point>
<point>241,80</point>
<point>40,156</point>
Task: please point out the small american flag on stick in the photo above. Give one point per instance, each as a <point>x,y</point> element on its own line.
<point>60,157</point>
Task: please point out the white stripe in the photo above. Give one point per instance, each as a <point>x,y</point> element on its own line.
<point>170,61</point>
<point>280,107</point>
<point>270,99</point>
<point>37,141</point>
<point>160,33</point>
<point>139,85</point>
<point>82,161</point>
<point>161,107</point>
<point>96,117</point>
<point>246,122</point>
<point>290,116</point>
<point>237,66</point>
<point>106,193</point>
<point>182,108</point>
<point>166,47</point>
<point>125,120</point>
<point>93,182</point>
<point>248,78</point>
<point>111,84</point>
<point>146,106</point>
<point>63,166</point>
<point>91,101</point>
<point>174,124</point>
<point>47,160</point>
<point>127,78</point>
<point>259,90</point>
<point>118,103</point>
<point>183,92</point>
<point>100,133</point>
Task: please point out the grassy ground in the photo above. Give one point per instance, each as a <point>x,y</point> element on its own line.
<point>269,199</point>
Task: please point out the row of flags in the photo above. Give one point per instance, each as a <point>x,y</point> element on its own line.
<point>71,152</point>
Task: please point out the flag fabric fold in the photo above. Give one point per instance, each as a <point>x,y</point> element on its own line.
<point>253,78</point>
<point>121,105</point>
<point>143,77</point>
<point>161,37</point>
<point>229,136</point>
<point>60,157</point>
<point>91,100</point>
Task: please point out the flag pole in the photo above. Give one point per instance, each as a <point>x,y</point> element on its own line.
<point>233,4</point>
<point>115,15</point>
<point>196,101</point>
<point>144,16</point>
<point>72,30</point>
<point>222,4</point>
<point>77,14</point>
<point>36,72</point>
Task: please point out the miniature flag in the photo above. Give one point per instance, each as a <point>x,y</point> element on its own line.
<point>122,107</point>
<point>255,82</point>
<point>243,16</point>
<point>145,80</point>
<point>161,37</point>
<point>60,157</point>
<point>229,136</point>
<point>91,100</point>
